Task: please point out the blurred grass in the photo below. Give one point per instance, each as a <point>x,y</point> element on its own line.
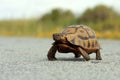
<point>26,27</point>
<point>33,28</point>
<point>102,19</point>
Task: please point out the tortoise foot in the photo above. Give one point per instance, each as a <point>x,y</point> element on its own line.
<point>77,56</point>
<point>99,58</point>
<point>52,59</point>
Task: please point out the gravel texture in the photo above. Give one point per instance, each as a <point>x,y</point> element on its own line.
<point>25,59</point>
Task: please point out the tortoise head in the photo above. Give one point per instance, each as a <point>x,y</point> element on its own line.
<point>59,37</point>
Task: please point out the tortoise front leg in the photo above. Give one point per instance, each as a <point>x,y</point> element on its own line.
<point>98,56</point>
<point>84,54</point>
<point>51,53</point>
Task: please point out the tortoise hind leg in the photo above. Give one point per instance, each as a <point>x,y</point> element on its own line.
<point>98,56</point>
<point>84,54</point>
<point>77,54</point>
<point>51,53</point>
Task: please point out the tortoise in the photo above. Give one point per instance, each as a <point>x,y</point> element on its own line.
<point>78,39</point>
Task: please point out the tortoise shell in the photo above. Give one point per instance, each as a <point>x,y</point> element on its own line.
<point>81,35</point>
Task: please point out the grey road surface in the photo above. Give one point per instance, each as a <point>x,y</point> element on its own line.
<point>25,59</point>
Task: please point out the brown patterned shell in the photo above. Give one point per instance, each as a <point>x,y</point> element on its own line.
<point>81,35</point>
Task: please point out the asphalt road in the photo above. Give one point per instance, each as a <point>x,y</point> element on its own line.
<point>25,59</point>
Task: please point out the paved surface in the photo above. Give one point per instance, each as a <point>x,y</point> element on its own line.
<point>25,59</point>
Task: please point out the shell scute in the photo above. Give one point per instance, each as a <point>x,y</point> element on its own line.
<point>82,36</point>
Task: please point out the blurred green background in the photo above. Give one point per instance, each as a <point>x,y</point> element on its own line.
<point>103,19</point>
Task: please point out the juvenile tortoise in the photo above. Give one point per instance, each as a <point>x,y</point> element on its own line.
<point>78,39</point>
